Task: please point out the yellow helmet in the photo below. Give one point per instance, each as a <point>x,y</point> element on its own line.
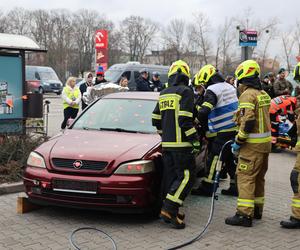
<point>247,69</point>
<point>205,73</point>
<point>179,66</point>
<point>195,80</point>
<point>296,72</point>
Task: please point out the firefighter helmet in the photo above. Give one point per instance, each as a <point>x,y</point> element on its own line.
<point>205,73</point>
<point>179,67</point>
<point>247,69</point>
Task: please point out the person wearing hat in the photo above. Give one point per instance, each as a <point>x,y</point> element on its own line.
<point>281,85</point>
<point>100,76</point>
<point>83,87</point>
<point>267,86</point>
<point>142,83</point>
<point>155,83</point>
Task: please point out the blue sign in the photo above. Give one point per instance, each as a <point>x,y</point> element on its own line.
<point>248,38</point>
<point>11,92</point>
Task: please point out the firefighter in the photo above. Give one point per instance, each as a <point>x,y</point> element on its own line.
<point>253,143</point>
<point>294,220</point>
<point>283,105</point>
<point>217,110</point>
<point>173,118</point>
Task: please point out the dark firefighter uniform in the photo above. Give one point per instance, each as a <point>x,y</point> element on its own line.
<point>217,111</point>
<point>173,118</point>
<point>294,221</point>
<point>254,144</point>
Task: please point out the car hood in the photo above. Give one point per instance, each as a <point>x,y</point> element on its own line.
<point>102,145</point>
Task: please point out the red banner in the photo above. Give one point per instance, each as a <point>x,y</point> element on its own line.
<point>101,48</point>
<point>101,39</point>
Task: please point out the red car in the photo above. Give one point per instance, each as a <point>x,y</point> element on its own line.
<point>32,86</point>
<point>109,159</point>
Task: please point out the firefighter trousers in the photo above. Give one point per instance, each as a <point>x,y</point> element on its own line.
<point>251,171</point>
<point>178,178</point>
<point>295,180</point>
<point>213,155</point>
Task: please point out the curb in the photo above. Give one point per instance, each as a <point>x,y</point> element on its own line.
<point>9,188</point>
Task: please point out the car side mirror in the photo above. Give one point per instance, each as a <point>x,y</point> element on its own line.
<point>37,76</point>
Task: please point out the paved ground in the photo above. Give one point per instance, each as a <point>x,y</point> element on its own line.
<point>49,228</point>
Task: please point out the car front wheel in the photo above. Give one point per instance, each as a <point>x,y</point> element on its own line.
<point>41,91</point>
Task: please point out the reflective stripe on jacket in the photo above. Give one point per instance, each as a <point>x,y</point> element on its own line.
<point>173,117</point>
<point>221,116</point>
<point>254,120</point>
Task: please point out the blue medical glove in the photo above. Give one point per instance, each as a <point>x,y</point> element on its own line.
<point>235,148</point>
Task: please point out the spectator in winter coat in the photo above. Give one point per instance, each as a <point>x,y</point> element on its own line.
<point>142,83</point>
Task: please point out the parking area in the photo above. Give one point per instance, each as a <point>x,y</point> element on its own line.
<point>50,227</point>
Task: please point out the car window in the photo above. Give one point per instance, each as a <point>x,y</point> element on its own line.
<point>136,75</point>
<point>29,74</point>
<point>129,114</point>
<point>112,75</point>
<point>48,75</point>
<point>37,76</point>
<point>127,74</point>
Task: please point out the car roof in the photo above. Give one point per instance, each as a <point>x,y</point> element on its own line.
<point>41,68</point>
<point>126,66</point>
<point>133,95</point>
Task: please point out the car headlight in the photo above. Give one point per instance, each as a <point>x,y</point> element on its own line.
<point>36,160</point>
<point>46,83</point>
<point>136,167</point>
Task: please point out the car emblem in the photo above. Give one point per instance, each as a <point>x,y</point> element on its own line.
<point>77,164</point>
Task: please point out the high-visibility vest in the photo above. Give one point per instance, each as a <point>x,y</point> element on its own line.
<point>72,94</point>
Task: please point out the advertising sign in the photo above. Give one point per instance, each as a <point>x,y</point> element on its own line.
<point>11,92</point>
<point>248,38</point>
<point>101,39</point>
<point>101,49</point>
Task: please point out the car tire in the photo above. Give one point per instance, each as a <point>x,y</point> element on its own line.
<point>41,90</point>
<point>58,93</point>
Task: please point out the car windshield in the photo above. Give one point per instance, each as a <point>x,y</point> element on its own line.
<point>121,115</point>
<point>113,75</point>
<point>48,75</point>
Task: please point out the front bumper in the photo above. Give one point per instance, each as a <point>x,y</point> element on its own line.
<point>114,193</point>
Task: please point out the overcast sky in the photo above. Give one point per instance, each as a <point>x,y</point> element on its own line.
<point>162,11</point>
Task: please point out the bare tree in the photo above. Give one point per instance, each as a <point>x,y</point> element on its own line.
<point>297,36</point>
<point>288,43</point>
<point>137,35</point>
<point>225,40</point>
<point>3,23</point>
<point>42,28</point>
<point>174,37</point>
<point>201,27</point>
<point>19,21</point>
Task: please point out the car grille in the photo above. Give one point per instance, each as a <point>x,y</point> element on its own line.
<point>54,85</point>
<point>89,198</point>
<point>86,165</point>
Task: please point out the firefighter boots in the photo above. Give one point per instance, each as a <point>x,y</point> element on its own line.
<point>232,190</point>
<point>293,223</point>
<point>239,220</point>
<point>174,219</point>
